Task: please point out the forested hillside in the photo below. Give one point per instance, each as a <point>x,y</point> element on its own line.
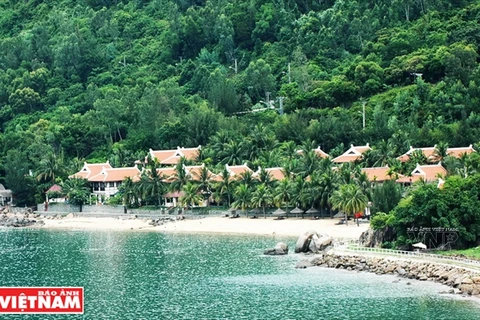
<point>109,79</point>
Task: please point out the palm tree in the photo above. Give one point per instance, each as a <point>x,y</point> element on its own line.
<point>181,177</point>
<point>327,184</point>
<point>289,150</point>
<point>76,190</point>
<point>309,162</point>
<point>225,186</point>
<point>283,193</point>
<point>128,191</point>
<point>246,178</point>
<point>233,153</point>
<point>151,183</point>
<point>350,199</point>
<point>203,179</point>
<point>265,178</point>
<point>262,197</point>
<point>190,196</point>
<point>50,167</point>
<point>243,197</point>
<point>441,151</point>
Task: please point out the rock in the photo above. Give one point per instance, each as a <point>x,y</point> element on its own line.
<point>70,216</point>
<point>318,244</point>
<point>451,291</point>
<point>401,271</point>
<point>475,279</point>
<point>303,242</point>
<point>467,281</point>
<point>375,238</point>
<point>303,264</point>
<point>280,249</point>
<point>408,283</point>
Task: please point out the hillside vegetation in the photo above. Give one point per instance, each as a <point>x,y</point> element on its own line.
<point>109,79</point>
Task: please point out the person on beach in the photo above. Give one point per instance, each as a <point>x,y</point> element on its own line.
<point>45,206</point>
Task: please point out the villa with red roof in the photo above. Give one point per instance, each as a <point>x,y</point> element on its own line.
<point>105,184</point>
<point>353,154</point>
<point>427,173</point>
<point>172,157</point>
<point>90,169</point>
<point>318,151</point>
<point>378,174</point>
<point>275,173</point>
<point>234,171</point>
<point>431,155</point>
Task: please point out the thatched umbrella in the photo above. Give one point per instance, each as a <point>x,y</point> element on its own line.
<point>279,213</point>
<point>312,211</point>
<point>297,211</point>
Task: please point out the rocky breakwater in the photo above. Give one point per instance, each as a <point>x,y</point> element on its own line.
<point>465,282</point>
<point>18,220</point>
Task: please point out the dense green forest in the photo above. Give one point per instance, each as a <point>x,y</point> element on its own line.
<point>104,80</point>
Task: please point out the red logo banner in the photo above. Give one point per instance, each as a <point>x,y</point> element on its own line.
<point>65,300</point>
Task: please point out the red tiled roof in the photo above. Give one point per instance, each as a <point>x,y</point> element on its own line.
<point>173,156</point>
<point>319,152</point>
<point>238,170</point>
<point>275,173</point>
<point>428,173</point>
<point>90,170</point>
<point>377,174</point>
<point>54,188</point>
<point>195,172</point>
<point>352,154</point>
<point>429,153</point>
<point>115,174</point>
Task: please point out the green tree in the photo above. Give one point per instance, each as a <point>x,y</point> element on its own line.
<point>349,199</point>
<point>243,198</point>
<point>262,198</point>
<point>77,191</point>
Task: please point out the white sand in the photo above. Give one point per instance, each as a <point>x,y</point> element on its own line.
<point>91,223</point>
<point>287,227</point>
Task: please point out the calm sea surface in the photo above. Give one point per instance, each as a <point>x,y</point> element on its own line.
<point>143,275</point>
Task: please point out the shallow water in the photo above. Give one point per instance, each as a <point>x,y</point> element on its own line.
<point>148,275</point>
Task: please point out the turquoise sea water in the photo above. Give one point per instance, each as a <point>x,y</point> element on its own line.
<point>148,275</point>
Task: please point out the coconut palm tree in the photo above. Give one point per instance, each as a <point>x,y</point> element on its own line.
<point>181,177</point>
<point>283,193</point>
<point>327,184</point>
<point>350,199</point>
<point>128,191</point>
<point>243,198</point>
<point>151,183</point>
<point>225,187</point>
<point>50,167</point>
<point>76,190</point>
<point>265,178</point>
<point>441,151</point>
<point>191,195</point>
<point>204,181</point>
<point>262,197</point>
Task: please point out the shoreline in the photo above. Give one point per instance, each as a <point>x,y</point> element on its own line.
<point>462,282</point>
<point>291,227</point>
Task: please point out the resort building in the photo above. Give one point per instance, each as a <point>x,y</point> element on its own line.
<point>353,154</point>
<point>172,157</point>
<point>379,174</point>
<point>275,173</point>
<point>5,196</point>
<point>105,184</point>
<point>318,151</point>
<point>235,172</point>
<point>431,154</point>
<point>54,194</point>
<point>90,169</point>
<point>427,173</point>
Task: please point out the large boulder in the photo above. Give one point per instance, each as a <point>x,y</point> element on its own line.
<point>311,241</point>
<point>303,264</point>
<point>279,250</point>
<point>375,238</point>
<point>318,244</point>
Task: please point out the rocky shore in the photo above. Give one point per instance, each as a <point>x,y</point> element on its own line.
<point>18,220</point>
<point>462,281</point>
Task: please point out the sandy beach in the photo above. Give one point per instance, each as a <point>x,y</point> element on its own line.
<point>287,227</point>
<point>93,223</point>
